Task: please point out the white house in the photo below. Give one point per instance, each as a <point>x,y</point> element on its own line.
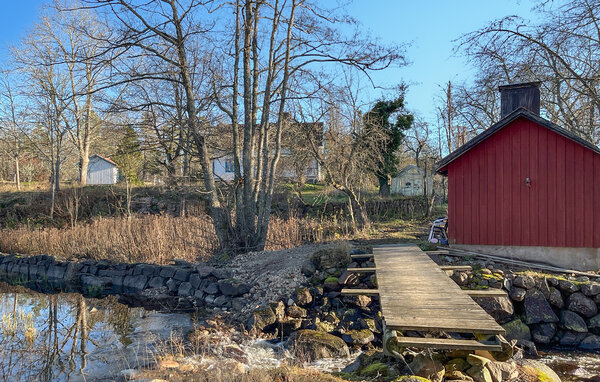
<point>409,181</point>
<point>222,164</point>
<point>102,170</point>
<point>223,168</point>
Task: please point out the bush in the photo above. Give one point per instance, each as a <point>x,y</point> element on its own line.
<point>334,256</point>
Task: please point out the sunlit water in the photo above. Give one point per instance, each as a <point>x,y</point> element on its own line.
<point>573,366</point>
<point>66,337</point>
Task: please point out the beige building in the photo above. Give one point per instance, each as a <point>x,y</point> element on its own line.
<point>410,182</point>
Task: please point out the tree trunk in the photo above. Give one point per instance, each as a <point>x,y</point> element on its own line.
<point>57,174</point>
<point>384,186</point>
<point>357,210</point>
<point>17,174</point>
<point>431,202</point>
<point>83,168</point>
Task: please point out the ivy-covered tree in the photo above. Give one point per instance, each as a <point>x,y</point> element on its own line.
<point>393,120</point>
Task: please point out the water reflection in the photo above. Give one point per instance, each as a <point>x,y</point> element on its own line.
<point>68,337</point>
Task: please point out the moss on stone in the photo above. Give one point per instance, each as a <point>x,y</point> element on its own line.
<point>331,279</point>
<point>411,378</point>
<point>374,370</point>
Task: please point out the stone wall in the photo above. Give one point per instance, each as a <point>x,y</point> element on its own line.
<point>183,285</point>
<point>542,310</point>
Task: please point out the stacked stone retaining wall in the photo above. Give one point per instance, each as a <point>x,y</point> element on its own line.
<point>184,285</point>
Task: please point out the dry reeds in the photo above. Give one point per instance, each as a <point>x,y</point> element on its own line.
<point>155,239</point>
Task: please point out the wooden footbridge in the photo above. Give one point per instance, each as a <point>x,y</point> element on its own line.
<point>416,294</point>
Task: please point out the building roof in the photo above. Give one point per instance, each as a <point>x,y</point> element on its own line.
<point>407,168</point>
<point>104,158</point>
<point>441,166</point>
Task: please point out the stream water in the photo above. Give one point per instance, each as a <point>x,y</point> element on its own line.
<point>66,337</point>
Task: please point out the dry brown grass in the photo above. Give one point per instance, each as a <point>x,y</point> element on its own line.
<point>154,239</point>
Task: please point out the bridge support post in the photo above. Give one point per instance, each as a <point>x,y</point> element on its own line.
<point>390,346</point>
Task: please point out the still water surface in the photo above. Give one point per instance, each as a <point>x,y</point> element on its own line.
<point>66,337</point>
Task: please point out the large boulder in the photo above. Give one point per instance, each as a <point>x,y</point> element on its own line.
<point>232,287</point>
<point>579,303</point>
<point>316,345</point>
<point>516,330</point>
<point>501,308</point>
<point>261,318</point>
<point>335,256</point>
<point>571,338</point>
<point>537,308</point>
<point>427,367</point>
<point>358,337</point>
<point>543,333</point>
<point>594,324</point>
<point>572,321</point>
<point>524,281</point>
<point>591,342</point>
<point>591,289</point>
<point>537,371</point>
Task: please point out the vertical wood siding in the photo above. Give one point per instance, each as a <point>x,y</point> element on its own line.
<point>101,172</point>
<point>490,202</point>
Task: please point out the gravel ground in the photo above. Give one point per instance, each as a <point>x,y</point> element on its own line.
<point>272,274</point>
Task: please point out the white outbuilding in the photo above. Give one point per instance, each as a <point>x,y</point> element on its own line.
<point>410,181</point>
<point>102,170</point>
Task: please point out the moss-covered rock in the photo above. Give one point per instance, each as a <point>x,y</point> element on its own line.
<point>517,330</point>
<point>411,378</point>
<point>531,370</point>
<point>376,369</point>
<point>335,256</point>
<point>324,326</point>
<point>296,312</point>
<point>261,318</point>
<point>314,344</point>
<point>427,367</point>
<point>358,337</point>
<point>457,364</point>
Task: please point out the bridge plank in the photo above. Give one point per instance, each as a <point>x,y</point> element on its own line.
<point>416,294</point>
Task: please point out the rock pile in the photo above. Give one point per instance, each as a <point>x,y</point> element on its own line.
<point>318,316</point>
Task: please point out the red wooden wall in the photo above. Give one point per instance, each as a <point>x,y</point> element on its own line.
<point>490,202</point>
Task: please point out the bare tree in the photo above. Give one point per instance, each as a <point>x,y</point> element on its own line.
<point>561,51</point>
<point>352,149</point>
<point>46,87</point>
<point>260,49</point>
<point>12,120</point>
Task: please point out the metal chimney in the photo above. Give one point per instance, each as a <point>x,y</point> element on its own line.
<point>526,94</point>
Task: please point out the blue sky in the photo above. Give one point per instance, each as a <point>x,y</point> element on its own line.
<point>430,26</point>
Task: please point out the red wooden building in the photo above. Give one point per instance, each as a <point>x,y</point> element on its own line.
<point>526,188</point>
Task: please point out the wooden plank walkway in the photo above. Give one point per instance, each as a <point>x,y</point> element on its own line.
<point>416,294</point>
